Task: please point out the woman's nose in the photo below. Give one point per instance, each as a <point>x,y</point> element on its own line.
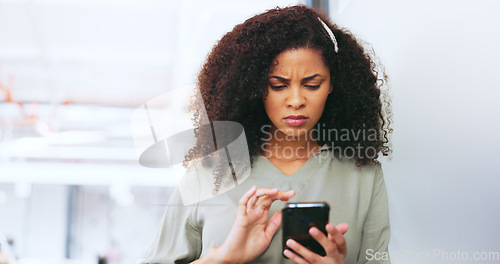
<point>296,98</point>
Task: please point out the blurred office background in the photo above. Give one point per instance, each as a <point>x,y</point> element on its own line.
<point>72,73</point>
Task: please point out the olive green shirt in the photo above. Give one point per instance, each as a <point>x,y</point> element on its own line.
<point>356,195</point>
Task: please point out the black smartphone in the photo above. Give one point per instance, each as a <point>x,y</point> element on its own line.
<point>298,218</point>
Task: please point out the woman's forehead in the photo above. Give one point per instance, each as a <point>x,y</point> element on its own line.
<point>304,61</point>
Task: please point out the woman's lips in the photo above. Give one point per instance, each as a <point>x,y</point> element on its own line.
<point>295,120</point>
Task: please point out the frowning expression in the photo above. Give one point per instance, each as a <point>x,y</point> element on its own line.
<point>298,87</point>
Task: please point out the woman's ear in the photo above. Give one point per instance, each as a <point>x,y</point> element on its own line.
<point>331,89</point>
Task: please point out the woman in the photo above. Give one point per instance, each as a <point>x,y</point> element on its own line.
<point>309,100</point>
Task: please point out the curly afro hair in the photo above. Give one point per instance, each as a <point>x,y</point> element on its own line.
<point>234,81</point>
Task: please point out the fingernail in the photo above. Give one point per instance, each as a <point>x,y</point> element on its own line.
<point>290,243</point>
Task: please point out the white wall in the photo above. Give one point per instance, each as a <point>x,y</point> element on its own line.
<point>442,57</point>
<point>41,217</point>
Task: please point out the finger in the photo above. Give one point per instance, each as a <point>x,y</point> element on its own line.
<point>244,199</point>
<point>282,195</point>
<point>273,225</point>
<point>337,237</point>
<point>247,195</point>
<point>305,253</point>
<point>266,201</point>
<point>262,192</point>
<point>329,246</point>
<point>266,191</point>
<point>287,195</point>
<point>251,202</point>
<point>342,228</point>
<point>294,257</point>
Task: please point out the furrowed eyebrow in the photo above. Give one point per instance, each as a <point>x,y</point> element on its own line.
<point>280,78</point>
<point>288,80</point>
<point>311,77</point>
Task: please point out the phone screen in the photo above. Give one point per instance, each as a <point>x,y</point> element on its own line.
<point>298,218</point>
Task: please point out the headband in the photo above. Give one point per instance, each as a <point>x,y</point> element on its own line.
<point>330,33</point>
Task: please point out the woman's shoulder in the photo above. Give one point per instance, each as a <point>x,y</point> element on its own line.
<point>345,168</point>
<point>348,162</point>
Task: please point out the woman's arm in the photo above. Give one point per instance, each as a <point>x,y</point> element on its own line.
<point>178,238</point>
<point>212,257</point>
<point>376,230</point>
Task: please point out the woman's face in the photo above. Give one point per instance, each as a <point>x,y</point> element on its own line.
<point>298,88</point>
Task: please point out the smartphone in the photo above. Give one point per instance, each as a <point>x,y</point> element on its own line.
<point>298,218</point>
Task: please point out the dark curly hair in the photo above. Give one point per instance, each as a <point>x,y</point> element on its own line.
<point>234,80</point>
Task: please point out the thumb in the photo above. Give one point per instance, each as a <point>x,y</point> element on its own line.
<point>342,228</point>
<point>273,224</point>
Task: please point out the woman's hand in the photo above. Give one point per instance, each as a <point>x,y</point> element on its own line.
<point>334,245</point>
<point>251,233</point>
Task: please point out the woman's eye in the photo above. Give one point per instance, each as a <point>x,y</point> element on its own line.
<point>277,87</point>
<point>313,87</point>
